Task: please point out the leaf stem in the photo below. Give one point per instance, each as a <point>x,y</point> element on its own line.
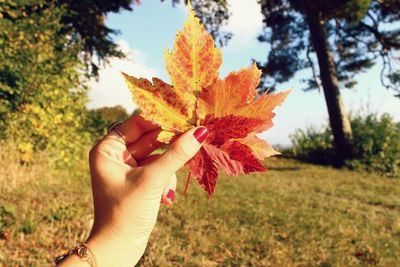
<point>187,183</point>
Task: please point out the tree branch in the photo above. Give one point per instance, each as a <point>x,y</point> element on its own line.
<point>314,73</point>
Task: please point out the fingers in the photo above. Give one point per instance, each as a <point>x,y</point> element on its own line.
<point>110,149</point>
<point>148,160</point>
<point>134,127</point>
<point>146,144</point>
<point>168,195</point>
<point>132,130</point>
<point>181,151</point>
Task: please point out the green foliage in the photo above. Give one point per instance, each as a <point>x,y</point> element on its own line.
<point>376,139</point>
<point>98,120</point>
<point>83,21</point>
<point>313,145</point>
<point>8,214</point>
<point>41,96</point>
<point>28,226</point>
<point>86,21</point>
<point>351,11</point>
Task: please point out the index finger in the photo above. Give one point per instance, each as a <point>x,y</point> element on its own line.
<point>134,127</point>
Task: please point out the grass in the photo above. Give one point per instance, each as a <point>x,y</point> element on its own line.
<point>296,215</point>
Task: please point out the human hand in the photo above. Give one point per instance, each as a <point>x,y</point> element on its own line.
<point>128,185</point>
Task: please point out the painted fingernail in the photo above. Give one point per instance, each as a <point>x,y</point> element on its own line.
<point>201,134</point>
<point>171,195</point>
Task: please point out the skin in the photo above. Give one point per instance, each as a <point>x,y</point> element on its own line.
<point>127,186</point>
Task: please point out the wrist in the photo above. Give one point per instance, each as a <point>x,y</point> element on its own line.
<point>112,249</point>
<point>81,255</point>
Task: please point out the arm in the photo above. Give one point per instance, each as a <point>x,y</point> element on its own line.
<point>128,185</point>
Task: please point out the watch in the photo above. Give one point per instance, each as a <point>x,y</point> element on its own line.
<point>83,252</point>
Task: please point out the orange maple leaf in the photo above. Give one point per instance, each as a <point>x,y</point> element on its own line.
<point>229,108</point>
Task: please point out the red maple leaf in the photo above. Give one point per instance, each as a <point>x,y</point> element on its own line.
<point>203,168</point>
<point>220,148</point>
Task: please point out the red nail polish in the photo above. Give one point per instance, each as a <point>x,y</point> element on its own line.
<point>201,134</point>
<point>171,195</point>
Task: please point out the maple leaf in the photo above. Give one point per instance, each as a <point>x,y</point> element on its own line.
<point>261,149</point>
<point>229,108</point>
<point>203,167</point>
<point>224,160</point>
<point>224,128</point>
<point>224,96</point>
<point>243,154</point>
<point>194,61</point>
<point>162,104</point>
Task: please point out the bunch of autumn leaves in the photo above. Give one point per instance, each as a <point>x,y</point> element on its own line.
<point>229,108</point>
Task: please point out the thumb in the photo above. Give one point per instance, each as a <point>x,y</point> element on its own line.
<point>182,150</point>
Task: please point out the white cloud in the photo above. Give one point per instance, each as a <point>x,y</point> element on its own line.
<point>245,22</point>
<point>110,89</point>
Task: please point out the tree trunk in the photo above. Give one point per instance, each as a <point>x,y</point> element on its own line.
<point>339,121</point>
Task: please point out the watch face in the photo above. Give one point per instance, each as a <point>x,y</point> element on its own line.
<point>82,251</point>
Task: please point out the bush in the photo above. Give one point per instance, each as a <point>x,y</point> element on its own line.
<point>313,145</point>
<point>376,140</point>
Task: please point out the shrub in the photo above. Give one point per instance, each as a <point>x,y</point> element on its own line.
<point>376,140</point>
<point>313,145</point>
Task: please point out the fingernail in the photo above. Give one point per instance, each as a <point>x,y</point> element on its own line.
<point>171,195</point>
<point>201,134</point>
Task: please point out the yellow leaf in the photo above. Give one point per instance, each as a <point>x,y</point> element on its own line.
<point>165,136</point>
<point>159,103</point>
<point>194,61</point>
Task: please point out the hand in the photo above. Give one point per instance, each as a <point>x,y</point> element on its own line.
<point>128,185</point>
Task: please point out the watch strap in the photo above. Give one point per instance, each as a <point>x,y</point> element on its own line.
<point>83,252</point>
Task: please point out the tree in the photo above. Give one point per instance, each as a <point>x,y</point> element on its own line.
<point>41,96</point>
<point>44,48</point>
<point>344,37</point>
<point>84,23</point>
<point>339,35</point>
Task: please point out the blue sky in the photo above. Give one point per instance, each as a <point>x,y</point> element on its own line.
<point>152,26</point>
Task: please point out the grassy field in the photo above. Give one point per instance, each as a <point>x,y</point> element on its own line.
<point>295,215</point>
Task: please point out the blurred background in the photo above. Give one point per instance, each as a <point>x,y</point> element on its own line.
<point>331,199</point>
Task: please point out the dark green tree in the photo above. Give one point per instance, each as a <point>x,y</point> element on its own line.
<point>83,21</point>
<point>341,37</point>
